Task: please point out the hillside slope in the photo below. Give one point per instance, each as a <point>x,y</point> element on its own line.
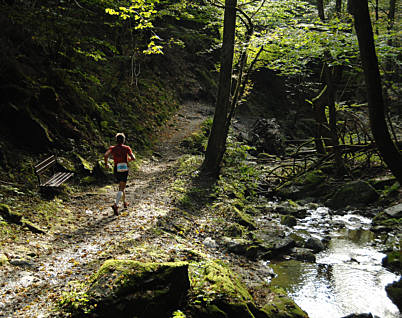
<point>72,76</point>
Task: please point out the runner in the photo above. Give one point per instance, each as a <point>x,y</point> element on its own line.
<point>121,154</point>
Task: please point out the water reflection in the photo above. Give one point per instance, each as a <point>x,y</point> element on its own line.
<point>347,277</point>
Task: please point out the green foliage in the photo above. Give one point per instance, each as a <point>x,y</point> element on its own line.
<point>75,300</point>
<point>178,314</point>
<point>238,179</point>
<point>197,142</point>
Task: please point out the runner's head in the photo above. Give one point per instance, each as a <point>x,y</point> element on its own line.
<point>120,138</point>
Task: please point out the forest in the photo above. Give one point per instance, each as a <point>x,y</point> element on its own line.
<point>267,138</point>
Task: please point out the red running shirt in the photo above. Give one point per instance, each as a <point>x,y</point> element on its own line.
<point>120,153</point>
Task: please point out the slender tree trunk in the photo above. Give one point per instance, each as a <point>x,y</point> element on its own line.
<point>329,78</point>
<point>391,13</point>
<point>338,6</point>
<point>322,133</point>
<point>390,153</point>
<point>320,8</point>
<point>217,139</point>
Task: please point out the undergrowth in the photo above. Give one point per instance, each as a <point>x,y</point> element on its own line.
<point>234,190</point>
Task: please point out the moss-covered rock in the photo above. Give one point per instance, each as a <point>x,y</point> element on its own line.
<point>283,307</point>
<point>394,292</point>
<point>127,288</point>
<point>244,219</point>
<point>384,221</point>
<point>310,184</point>
<point>288,220</point>
<point>290,207</point>
<point>355,193</point>
<point>393,261</point>
<point>8,215</point>
<point>32,227</point>
<point>241,246</point>
<point>272,244</point>
<point>235,230</point>
<point>217,292</point>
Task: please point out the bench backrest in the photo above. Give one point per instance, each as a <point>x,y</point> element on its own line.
<point>45,164</point>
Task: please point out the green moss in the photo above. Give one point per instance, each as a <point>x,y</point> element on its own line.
<point>288,220</point>
<point>393,260</point>
<point>218,292</point>
<point>127,268</point>
<point>394,292</point>
<point>88,180</point>
<point>119,285</point>
<point>85,164</point>
<point>235,230</point>
<point>282,306</point>
<point>382,219</point>
<point>3,260</point>
<point>210,279</point>
<point>314,177</point>
<point>244,219</point>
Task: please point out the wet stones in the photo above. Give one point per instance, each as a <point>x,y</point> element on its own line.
<point>303,254</point>
<point>291,208</point>
<point>369,315</point>
<point>394,211</point>
<point>389,219</point>
<point>314,244</point>
<point>288,220</point>
<point>271,245</point>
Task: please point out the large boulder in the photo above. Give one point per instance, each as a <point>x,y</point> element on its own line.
<point>127,288</point>
<point>219,292</point>
<point>241,246</point>
<point>267,137</point>
<point>271,245</point>
<point>394,292</point>
<point>355,193</point>
<point>393,261</point>
<point>314,244</point>
<point>394,211</point>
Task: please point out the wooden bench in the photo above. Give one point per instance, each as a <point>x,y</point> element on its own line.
<point>50,174</point>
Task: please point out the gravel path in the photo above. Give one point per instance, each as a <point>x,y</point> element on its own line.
<point>29,288</point>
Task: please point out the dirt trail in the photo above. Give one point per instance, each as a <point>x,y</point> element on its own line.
<point>29,289</point>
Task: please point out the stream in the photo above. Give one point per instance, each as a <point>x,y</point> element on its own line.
<point>347,278</point>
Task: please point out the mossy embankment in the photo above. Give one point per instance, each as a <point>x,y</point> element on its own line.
<point>72,76</point>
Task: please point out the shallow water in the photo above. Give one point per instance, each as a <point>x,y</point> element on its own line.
<point>348,276</point>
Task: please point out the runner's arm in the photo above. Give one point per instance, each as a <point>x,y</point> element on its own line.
<point>106,157</point>
<point>131,156</point>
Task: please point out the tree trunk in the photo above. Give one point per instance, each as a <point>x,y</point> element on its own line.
<point>217,139</point>
<point>320,8</point>
<point>391,13</point>
<point>329,79</point>
<point>388,150</point>
<point>338,6</point>
<point>322,133</point>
